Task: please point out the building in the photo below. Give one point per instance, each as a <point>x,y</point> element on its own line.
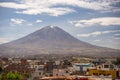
<point>39,71</point>
<point>114,73</point>
<point>106,66</point>
<point>49,66</point>
<point>23,68</point>
<point>61,72</point>
<point>82,66</point>
<point>105,69</point>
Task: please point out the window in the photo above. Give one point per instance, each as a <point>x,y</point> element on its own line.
<point>66,71</point>
<point>106,66</point>
<point>111,66</point>
<point>39,73</point>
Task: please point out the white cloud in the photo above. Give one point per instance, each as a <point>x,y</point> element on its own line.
<point>109,42</point>
<point>117,34</point>
<point>29,24</point>
<point>49,11</point>
<point>110,31</point>
<point>39,21</point>
<point>104,21</point>
<point>34,7</point>
<point>97,33</point>
<point>97,40</point>
<point>117,38</point>
<point>13,5</point>
<point>5,40</point>
<point>17,21</point>
<point>83,35</point>
<point>94,34</point>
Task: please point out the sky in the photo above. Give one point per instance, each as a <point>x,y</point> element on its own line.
<point>94,21</point>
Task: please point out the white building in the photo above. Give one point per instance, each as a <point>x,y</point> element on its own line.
<point>38,68</point>
<point>60,72</point>
<point>82,66</point>
<point>106,66</point>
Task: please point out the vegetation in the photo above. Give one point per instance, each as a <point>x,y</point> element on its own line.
<point>1,70</point>
<point>117,62</point>
<point>0,77</point>
<point>11,76</point>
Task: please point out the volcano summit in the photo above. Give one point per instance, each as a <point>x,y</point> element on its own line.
<point>53,40</point>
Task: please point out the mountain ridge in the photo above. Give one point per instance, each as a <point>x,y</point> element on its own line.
<point>52,39</point>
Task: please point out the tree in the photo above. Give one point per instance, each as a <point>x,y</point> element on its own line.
<point>0,77</point>
<point>13,76</point>
<point>10,76</point>
<point>1,70</point>
<point>117,62</point>
<point>18,76</point>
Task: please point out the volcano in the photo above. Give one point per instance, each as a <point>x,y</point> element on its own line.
<point>53,40</point>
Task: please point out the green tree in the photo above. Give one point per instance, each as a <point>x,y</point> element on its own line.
<point>117,62</point>
<point>0,77</point>
<point>18,76</point>
<point>13,76</point>
<point>10,76</point>
<point>1,70</point>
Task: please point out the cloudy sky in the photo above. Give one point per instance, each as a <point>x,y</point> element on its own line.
<point>93,21</point>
